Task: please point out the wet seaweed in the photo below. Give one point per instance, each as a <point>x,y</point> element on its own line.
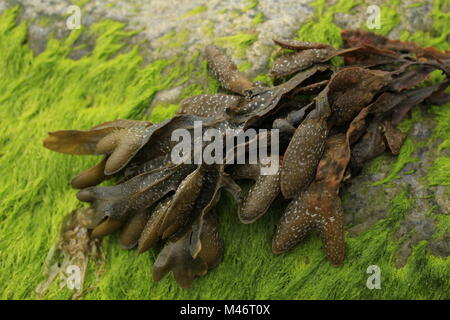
<point>346,116</point>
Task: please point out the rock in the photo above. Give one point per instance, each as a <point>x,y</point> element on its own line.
<point>416,15</point>
<point>351,20</point>
<point>442,197</point>
<point>440,247</point>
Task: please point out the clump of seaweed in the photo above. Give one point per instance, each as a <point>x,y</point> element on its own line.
<point>331,120</point>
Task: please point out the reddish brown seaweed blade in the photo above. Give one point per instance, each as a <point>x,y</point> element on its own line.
<point>212,245</point>
<point>226,71</point>
<point>331,232</point>
<point>175,258</point>
<point>353,38</point>
<point>302,156</point>
<point>311,88</point>
<point>411,77</point>
<point>394,136</point>
<point>385,103</point>
<point>358,126</point>
<point>369,146</point>
<point>266,103</point>
<point>238,153</point>
<point>207,200</point>
<point>122,145</point>
<point>353,88</point>
<point>140,166</point>
<point>259,198</point>
<point>136,194</point>
<point>182,203</point>
<point>398,104</point>
<point>176,255</point>
<point>318,207</point>
<point>183,248</point>
<point>339,52</point>
<point>84,142</point>
<point>290,63</point>
<point>334,161</point>
<point>90,177</point>
<point>74,141</point>
<point>209,105</point>
<point>151,233</point>
<point>159,136</point>
<point>370,56</point>
<point>330,173</point>
<point>433,53</point>
<point>444,66</point>
<point>314,208</point>
<point>232,188</point>
<point>108,226</point>
<point>132,230</point>
<point>299,45</point>
<point>356,38</point>
<point>293,225</point>
<point>412,98</point>
<point>126,143</point>
<point>120,138</point>
<point>439,97</point>
<point>135,186</point>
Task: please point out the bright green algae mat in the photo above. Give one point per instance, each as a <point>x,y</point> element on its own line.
<point>51,91</point>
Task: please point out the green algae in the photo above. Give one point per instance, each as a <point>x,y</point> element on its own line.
<point>321,27</point>
<point>163,112</point>
<point>404,157</point>
<point>196,11</point>
<point>208,29</point>
<point>401,204</point>
<point>375,165</point>
<point>264,78</point>
<point>250,4</point>
<point>440,171</point>
<point>80,3</point>
<point>415,5</point>
<point>245,66</point>
<point>238,43</point>
<point>175,39</point>
<point>51,92</point>
<point>390,17</point>
<point>259,18</point>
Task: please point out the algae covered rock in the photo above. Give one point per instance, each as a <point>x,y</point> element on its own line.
<point>397,209</point>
